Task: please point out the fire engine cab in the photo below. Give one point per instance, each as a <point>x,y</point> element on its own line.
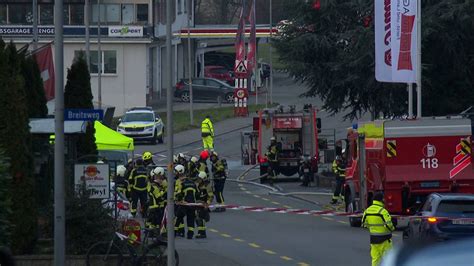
<point>407,160</point>
<point>296,133</point>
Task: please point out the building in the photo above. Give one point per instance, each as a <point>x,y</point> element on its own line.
<point>126,32</point>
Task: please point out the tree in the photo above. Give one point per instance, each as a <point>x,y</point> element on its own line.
<point>16,140</point>
<point>331,49</point>
<point>5,201</point>
<point>34,87</point>
<point>78,94</point>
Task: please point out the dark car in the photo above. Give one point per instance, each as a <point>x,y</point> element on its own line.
<point>205,89</point>
<point>442,217</point>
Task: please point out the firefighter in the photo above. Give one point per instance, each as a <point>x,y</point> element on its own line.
<point>121,182</point>
<point>179,209</point>
<point>138,183</point>
<point>157,195</point>
<point>306,171</point>
<point>187,193</point>
<point>202,163</point>
<point>219,176</point>
<point>192,168</point>
<point>272,155</point>
<point>207,134</point>
<point>377,219</point>
<point>205,196</point>
<point>339,169</point>
<point>147,158</point>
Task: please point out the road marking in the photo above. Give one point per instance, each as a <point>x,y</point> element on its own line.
<point>257,196</point>
<point>286,258</point>
<point>239,240</point>
<point>342,222</point>
<point>288,207</point>
<point>248,192</point>
<point>254,245</point>
<point>265,199</point>
<point>327,218</point>
<point>303,264</point>
<point>276,203</point>
<point>225,235</point>
<point>269,252</point>
<point>242,188</point>
<point>214,230</point>
<point>240,185</point>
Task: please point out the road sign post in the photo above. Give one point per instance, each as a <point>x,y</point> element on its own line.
<point>241,89</point>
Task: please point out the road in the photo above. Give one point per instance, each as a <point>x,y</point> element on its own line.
<point>240,237</point>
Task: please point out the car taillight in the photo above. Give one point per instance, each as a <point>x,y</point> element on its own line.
<point>122,206</point>
<point>432,220</point>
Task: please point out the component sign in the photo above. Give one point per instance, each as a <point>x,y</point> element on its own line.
<point>83,114</point>
<point>95,177</point>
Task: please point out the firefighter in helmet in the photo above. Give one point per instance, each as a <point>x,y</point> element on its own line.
<point>205,196</point>
<point>219,176</point>
<point>272,155</point>
<point>339,170</point>
<point>147,158</point>
<point>379,222</point>
<point>157,195</point>
<point>187,193</point>
<point>138,183</point>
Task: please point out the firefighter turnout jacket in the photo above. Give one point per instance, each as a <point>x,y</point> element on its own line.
<point>272,153</point>
<point>138,179</point>
<point>205,193</point>
<point>207,129</point>
<point>187,191</point>
<point>338,169</point>
<point>379,222</point>
<point>157,194</point>
<point>218,170</point>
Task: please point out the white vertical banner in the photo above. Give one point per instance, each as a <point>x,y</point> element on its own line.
<point>395,40</point>
<point>404,40</point>
<point>383,36</point>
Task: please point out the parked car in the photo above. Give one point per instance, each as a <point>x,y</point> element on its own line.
<point>442,217</point>
<point>204,89</point>
<point>220,73</point>
<point>141,123</point>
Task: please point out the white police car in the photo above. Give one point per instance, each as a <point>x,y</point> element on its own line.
<point>141,123</point>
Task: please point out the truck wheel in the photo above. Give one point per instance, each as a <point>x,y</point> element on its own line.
<point>288,171</point>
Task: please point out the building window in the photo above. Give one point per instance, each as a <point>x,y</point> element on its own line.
<point>95,14</point>
<point>77,14</point>
<point>20,14</point>
<point>128,14</point>
<point>108,65</point>
<point>142,13</point>
<point>113,14</point>
<point>46,14</point>
<point>3,14</point>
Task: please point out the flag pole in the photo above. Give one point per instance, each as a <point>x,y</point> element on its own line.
<point>410,100</point>
<point>418,60</point>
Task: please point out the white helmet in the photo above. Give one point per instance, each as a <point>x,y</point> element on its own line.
<point>181,155</point>
<point>194,159</point>
<point>202,175</point>
<point>272,138</point>
<point>121,170</point>
<point>179,169</point>
<point>175,158</point>
<point>159,171</point>
<point>100,162</point>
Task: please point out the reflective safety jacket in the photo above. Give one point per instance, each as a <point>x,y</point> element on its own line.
<point>138,179</point>
<point>207,128</point>
<point>187,191</point>
<point>272,153</point>
<point>157,195</point>
<point>379,222</point>
<point>205,193</point>
<point>192,170</point>
<point>218,169</point>
<point>338,169</point>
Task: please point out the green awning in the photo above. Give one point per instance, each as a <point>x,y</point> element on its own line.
<point>108,139</point>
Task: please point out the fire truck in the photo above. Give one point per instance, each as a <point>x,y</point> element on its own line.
<point>407,160</point>
<point>296,133</point>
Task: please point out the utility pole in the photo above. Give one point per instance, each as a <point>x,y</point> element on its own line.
<point>271,52</point>
<point>35,25</point>
<point>59,212</point>
<point>88,38</point>
<point>99,58</point>
<point>191,111</point>
<point>169,116</point>
<point>418,60</point>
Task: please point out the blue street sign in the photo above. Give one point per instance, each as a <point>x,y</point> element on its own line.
<point>83,114</point>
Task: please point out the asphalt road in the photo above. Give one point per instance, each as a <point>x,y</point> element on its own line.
<point>239,237</point>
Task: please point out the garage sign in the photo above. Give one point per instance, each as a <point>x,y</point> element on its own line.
<point>95,177</point>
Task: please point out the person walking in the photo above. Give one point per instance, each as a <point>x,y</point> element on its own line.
<point>379,222</point>
<point>207,133</point>
<point>138,183</point>
<point>339,169</point>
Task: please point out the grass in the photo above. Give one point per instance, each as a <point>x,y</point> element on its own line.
<point>181,118</point>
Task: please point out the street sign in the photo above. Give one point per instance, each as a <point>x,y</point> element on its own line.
<point>83,114</point>
<point>95,177</point>
<point>240,67</point>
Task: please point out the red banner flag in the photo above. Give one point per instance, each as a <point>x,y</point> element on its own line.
<point>44,59</point>
<point>252,48</point>
<point>240,39</point>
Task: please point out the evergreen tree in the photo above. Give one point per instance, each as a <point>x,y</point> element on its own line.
<point>331,49</point>
<point>34,87</point>
<point>15,139</point>
<point>5,201</point>
<point>78,94</point>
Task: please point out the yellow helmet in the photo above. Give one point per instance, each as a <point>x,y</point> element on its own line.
<point>147,155</point>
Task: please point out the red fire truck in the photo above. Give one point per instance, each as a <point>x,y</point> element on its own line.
<point>407,160</point>
<point>296,133</point>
